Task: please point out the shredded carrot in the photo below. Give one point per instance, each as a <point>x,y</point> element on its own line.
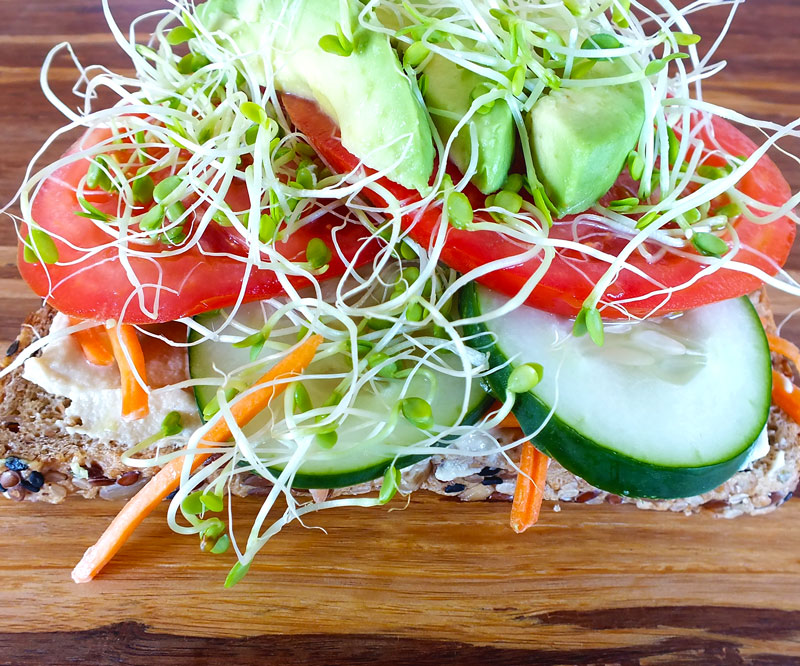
<point>249,405</point>
<point>784,348</point>
<point>94,343</point>
<point>510,421</point>
<point>168,478</point>
<point>530,488</point>
<point>784,393</point>
<point>134,396</point>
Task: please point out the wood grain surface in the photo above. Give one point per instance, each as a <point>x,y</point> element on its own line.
<point>439,582</point>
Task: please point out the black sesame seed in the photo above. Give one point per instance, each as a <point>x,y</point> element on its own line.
<point>15,464</point>
<point>789,496</point>
<point>13,348</point>
<point>489,471</point>
<point>455,488</point>
<point>172,494</point>
<point>34,482</point>
<point>2,490</point>
<point>492,481</point>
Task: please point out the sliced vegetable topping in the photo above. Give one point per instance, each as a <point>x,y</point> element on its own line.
<point>95,344</point>
<point>130,361</point>
<point>169,477</point>
<point>663,409</point>
<point>253,403</point>
<point>529,491</point>
<point>785,393</point>
<point>559,275</point>
<point>362,409</point>
<point>113,271</point>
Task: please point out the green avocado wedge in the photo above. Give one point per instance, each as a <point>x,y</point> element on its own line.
<point>368,95</point>
<point>662,410</point>
<point>357,454</point>
<point>581,136</point>
<point>448,98</point>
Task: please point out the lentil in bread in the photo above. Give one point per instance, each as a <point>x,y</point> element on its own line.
<point>32,430</point>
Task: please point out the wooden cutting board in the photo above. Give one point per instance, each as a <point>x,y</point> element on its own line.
<point>439,582</point>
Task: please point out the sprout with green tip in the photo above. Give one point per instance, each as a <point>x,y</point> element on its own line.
<point>417,412</point>
<point>525,378</point>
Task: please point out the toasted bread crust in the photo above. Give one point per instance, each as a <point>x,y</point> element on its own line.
<point>33,429</point>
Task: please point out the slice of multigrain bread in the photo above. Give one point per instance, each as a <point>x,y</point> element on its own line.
<point>48,463</point>
<point>36,445</point>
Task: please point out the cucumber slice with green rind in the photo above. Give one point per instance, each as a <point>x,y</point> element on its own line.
<point>350,461</point>
<point>675,425</point>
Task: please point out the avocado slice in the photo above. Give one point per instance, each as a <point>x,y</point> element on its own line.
<point>448,97</point>
<point>581,137</point>
<point>380,119</point>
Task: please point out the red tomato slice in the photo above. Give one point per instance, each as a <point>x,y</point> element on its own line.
<point>572,275</point>
<point>96,285</point>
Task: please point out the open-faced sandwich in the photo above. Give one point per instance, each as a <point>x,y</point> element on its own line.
<point>319,249</point>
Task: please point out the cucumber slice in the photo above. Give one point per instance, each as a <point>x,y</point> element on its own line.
<point>664,409</point>
<point>356,457</point>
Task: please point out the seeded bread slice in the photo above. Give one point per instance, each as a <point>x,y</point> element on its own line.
<point>33,434</point>
<point>51,463</point>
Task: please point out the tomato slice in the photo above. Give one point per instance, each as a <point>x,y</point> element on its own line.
<point>572,275</point>
<point>95,284</point>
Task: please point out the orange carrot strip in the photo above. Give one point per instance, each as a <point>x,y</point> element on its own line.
<point>510,421</point>
<point>168,478</point>
<point>134,397</point>
<point>786,395</point>
<point>530,488</point>
<point>128,519</point>
<point>784,348</point>
<point>251,404</point>
<point>94,343</point>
